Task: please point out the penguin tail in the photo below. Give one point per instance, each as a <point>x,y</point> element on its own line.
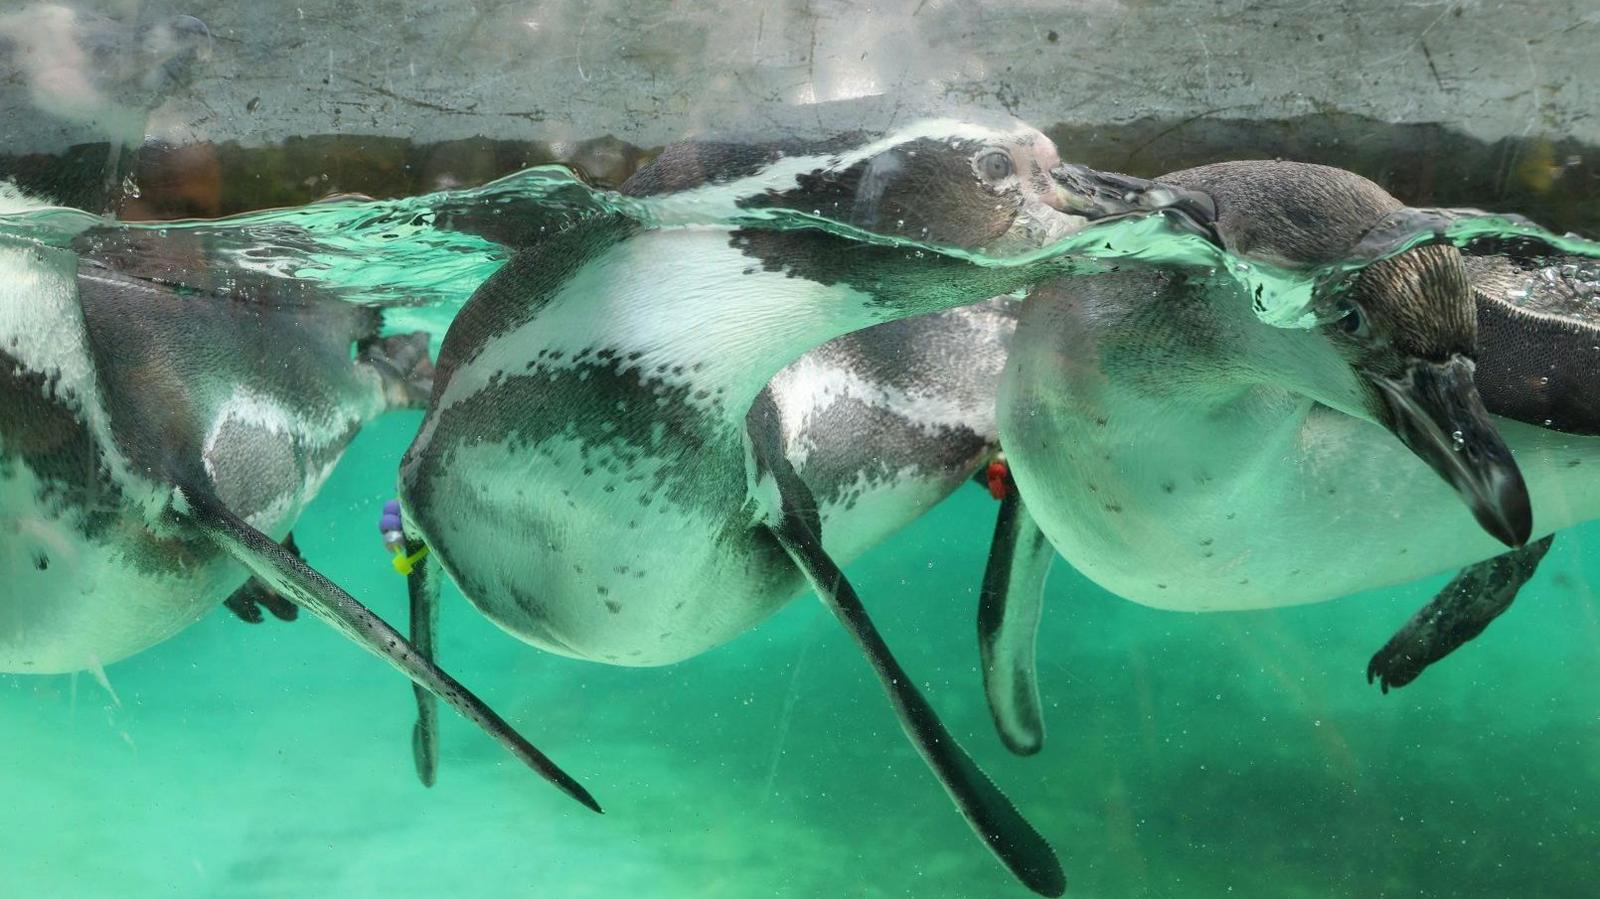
<point>403,363</point>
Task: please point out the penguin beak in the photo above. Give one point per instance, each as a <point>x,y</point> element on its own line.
<point>1097,195</point>
<point>1435,410</point>
<point>1093,194</point>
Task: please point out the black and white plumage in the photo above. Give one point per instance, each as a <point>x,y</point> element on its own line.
<point>884,423</point>
<point>158,440</point>
<point>604,470</point>
<point>1185,455</point>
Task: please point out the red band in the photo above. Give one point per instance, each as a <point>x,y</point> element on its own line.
<point>998,475</point>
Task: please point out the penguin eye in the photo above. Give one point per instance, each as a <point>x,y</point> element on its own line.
<point>1352,320</point>
<point>994,165</point>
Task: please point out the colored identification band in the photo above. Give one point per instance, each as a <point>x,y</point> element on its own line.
<point>404,563</point>
<point>998,475</point>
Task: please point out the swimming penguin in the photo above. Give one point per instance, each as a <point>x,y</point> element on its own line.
<point>157,440</point>
<point>1185,455</point>
<point>602,469</point>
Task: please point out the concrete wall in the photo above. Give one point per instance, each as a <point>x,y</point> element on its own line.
<point>651,72</point>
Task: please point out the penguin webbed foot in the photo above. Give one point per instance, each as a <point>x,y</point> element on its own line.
<point>402,361</point>
<point>247,602</point>
<point>1476,596</point>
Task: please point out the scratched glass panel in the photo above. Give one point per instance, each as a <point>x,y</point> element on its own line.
<point>234,237</point>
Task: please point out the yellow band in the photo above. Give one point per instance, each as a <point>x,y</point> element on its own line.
<point>404,564</point>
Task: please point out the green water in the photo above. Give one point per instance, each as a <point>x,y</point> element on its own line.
<point>423,256</point>
<point>1236,754</point>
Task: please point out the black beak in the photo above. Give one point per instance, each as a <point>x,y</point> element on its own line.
<point>1099,195</point>
<point>1435,410</point>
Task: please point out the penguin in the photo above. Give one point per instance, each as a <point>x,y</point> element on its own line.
<point>158,439</point>
<point>602,403</point>
<point>1185,455</point>
<point>884,423</point>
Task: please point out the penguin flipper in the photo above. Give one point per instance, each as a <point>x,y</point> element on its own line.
<point>422,583</point>
<point>307,588</point>
<point>248,601</point>
<point>795,526</point>
<point>1009,605</point>
<point>1476,596</point>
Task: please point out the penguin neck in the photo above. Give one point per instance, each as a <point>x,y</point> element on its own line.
<point>1182,350</point>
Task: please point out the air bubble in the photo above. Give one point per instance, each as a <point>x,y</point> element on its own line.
<point>1458,440</point>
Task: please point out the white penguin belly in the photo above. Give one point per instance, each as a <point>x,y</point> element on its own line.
<point>70,603</point>
<point>597,565</point>
<point>84,587</point>
<point>1330,506</point>
<point>873,510</point>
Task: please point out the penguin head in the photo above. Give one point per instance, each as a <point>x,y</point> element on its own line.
<point>947,183</point>
<point>1408,328</point>
<point>1404,330</point>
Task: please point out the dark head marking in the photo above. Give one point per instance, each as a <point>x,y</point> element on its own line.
<point>947,183</point>
<point>961,191</point>
<point>1414,306</point>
